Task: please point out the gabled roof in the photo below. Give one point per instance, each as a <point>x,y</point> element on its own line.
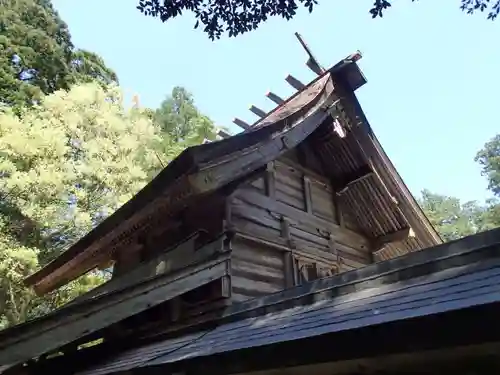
<point>420,289</point>
<point>382,204</point>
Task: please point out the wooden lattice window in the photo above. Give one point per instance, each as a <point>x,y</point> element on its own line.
<point>309,270</point>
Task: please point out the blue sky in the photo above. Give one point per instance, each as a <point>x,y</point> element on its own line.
<point>432,84</point>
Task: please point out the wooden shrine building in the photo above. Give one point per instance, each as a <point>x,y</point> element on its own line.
<point>290,248</point>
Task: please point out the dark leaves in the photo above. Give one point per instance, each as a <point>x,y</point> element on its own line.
<point>378,8</point>
<point>471,6</point>
<point>233,17</point>
<point>37,54</point>
<point>236,17</point>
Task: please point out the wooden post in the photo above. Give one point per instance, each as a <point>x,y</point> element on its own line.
<point>337,204</point>
<point>307,194</point>
<point>228,226</point>
<point>290,277</point>
<point>270,180</point>
<point>285,231</point>
<point>332,244</point>
<point>289,270</point>
<point>175,309</point>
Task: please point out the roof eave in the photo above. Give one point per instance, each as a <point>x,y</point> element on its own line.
<point>45,280</point>
<point>352,76</point>
<point>127,211</point>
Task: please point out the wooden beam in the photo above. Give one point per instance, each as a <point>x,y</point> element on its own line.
<point>294,82</point>
<point>176,260</point>
<point>207,294</point>
<point>259,112</point>
<point>304,220</point>
<point>242,165</point>
<point>241,123</point>
<point>342,183</point>
<point>275,98</point>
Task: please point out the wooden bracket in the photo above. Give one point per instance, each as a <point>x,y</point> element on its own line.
<point>397,236</point>
<point>342,183</point>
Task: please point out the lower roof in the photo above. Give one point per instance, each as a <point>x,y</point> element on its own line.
<point>450,277</point>
<point>114,302</point>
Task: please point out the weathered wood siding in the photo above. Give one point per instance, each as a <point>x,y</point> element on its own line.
<point>256,270</point>
<point>286,221</point>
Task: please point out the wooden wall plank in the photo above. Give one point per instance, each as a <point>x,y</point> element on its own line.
<point>291,218</point>
<point>255,270</point>
<point>302,219</point>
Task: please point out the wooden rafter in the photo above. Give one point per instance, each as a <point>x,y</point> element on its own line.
<point>241,123</point>
<point>257,111</point>
<point>294,82</point>
<point>223,134</point>
<point>275,98</point>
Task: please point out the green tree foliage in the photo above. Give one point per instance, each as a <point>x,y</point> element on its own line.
<point>491,8</point>
<point>453,219</point>
<point>240,16</point>
<point>489,159</point>
<point>37,56</point>
<point>88,66</point>
<point>181,123</point>
<point>64,166</point>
